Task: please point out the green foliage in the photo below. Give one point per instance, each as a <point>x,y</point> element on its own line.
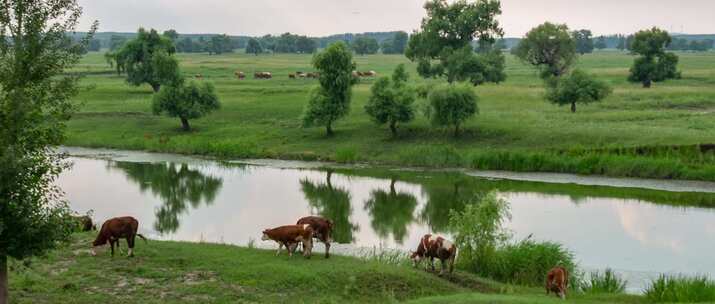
<point>138,60</point>
<point>601,43</point>
<point>396,44</point>
<point>485,246</point>
<point>186,101</point>
<point>605,282</point>
<point>289,43</point>
<point>254,47</point>
<point>391,212</point>
<point>171,34</point>
<point>220,44</point>
<point>392,100</point>
<point>451,105</point>
<point>681,289</point>
<point>549,47</point>
<point>577,87</point>
<point>584,41</point>
<point>654,64</point>
<point>331,100</point>
<point>440,48</point>
<point>365,45</point>
<point>116,42</point>
<point>36,94</point>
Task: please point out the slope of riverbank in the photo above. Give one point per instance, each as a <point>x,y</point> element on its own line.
<point>661,133</point>
<point>174,272</point>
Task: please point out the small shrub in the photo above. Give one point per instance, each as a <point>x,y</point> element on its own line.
<point>605,282</point>
<point>527,262</point>
<point>346,155</point>
<point>670,289</point>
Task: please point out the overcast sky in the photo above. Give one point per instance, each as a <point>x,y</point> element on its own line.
<point>324,17</point>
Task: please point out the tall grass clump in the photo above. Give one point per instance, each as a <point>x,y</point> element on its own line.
<point>605,282</point>
<point>346,155</point>
<point>487,249</point>
<point>681,289</point>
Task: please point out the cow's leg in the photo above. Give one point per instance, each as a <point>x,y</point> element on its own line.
<point>288,246</point>
<point>292,247</point>
<point>451,264</point>
<point>327,249</point>
<point>280,245</point>
<point>111,245</point>
<point>431,263</point>
<point>444,265</point>
<point>130,243</point>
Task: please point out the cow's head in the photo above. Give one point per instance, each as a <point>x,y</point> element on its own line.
<point>416,258</point>
<point>265,235</point>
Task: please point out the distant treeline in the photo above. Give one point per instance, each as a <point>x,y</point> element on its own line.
<point>364,43</point>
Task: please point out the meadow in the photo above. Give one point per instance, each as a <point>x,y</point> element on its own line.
<point>635,132</point>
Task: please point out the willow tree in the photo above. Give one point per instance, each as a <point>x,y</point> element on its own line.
<point>35,101</point>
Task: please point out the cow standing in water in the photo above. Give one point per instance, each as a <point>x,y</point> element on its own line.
<point>289,236</point>
<point>557,281</point>
<point>432,246</point>
<point>115,229</point>
<point>322,230</point>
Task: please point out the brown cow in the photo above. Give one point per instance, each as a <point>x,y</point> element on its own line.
<point>313,75</point>
<point>322,230</point>
<point>262,75</point>
<point>431,247</point>
<point>115,229</point>
<point>291,76</point>
<point>289,236</point>
<point>240,75</point>
<point>557,281</point>
<point>85,223</point>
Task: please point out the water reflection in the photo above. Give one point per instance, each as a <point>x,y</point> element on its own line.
<point>333,203</point>
<point>451,192</point>
<point>176,185</point>
<point>391,212</point>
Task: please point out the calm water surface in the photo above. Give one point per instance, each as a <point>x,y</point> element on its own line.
<point>638,232</point>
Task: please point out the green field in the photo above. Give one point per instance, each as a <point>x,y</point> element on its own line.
<point>173,272</point>
<point>635,132</point>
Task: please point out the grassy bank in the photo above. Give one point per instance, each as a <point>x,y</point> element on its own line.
<point>635,132</point>
<point>172,272</point>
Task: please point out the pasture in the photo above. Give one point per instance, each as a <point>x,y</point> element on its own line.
<point>634,132</point>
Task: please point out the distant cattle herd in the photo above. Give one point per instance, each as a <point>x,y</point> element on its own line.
<point>240,75</point>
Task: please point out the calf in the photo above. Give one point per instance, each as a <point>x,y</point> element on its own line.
<point>85,223</point>
<point>322,230</point>
<point>290,236</point>
<point>435,247</point>
<point>115,229</point>
<point>557,281</point>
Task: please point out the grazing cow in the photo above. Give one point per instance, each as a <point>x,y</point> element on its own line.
<point>289,236</point>
<point>263,75</point>
<point>432,246</point>
<point>368,74</point>
<point>240,75</point>
<point>557,281</point>
<point>291,76</point>
<point>199,76</point>
<point>115,229</point>
<point>322,230</point>
<point>85,223</point>
<point>313,75</point>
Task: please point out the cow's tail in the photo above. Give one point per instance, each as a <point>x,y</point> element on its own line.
<point>142,237</point>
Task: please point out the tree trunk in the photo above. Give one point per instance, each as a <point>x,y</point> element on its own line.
<point>185,124</point>
<point>393,128</point>
<point>456,130</point>
<point>156,87</point>
<point>573,107</point>
<point>3,280</point>
<point>647,84</point>
<point>329,128</point>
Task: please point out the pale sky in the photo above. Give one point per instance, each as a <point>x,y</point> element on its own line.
<point>325,17</point>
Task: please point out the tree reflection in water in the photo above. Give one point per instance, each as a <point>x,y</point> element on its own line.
<point>391,212</point>
<point>176,185</point>
<point>332,203</point>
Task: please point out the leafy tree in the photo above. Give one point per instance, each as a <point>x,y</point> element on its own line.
<point>254,47</point>
<point>463,65</point>
<point>395,45</point>
<point>387,46</point>
<point>451,105</point>
<point>36,95</point>
<point>95,45</point>
<point>186,101</point>
<point>365,45</point>
<point>654,64</point>
<point>220,44</point>
<point>447,32</point>
<point>584,41</point>
<point>171,34</point>
<point>621,43</point>
<point>331,100</point>
<point>392,100</point>
<point>138,56</point>
<point>116,42</point>
<point>269,43</point>
<point>578,87</point>
<point>305,45</point>
<point>550,47</point>
<point>331,202</point>
<point>601,43</point>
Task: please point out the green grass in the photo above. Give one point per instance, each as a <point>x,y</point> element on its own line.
<point>681,289</point>
<point>175,272</point>
<point>635,132</point>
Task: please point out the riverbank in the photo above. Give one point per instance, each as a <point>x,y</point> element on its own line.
<point>659,133</point>
<point>177,272</point>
